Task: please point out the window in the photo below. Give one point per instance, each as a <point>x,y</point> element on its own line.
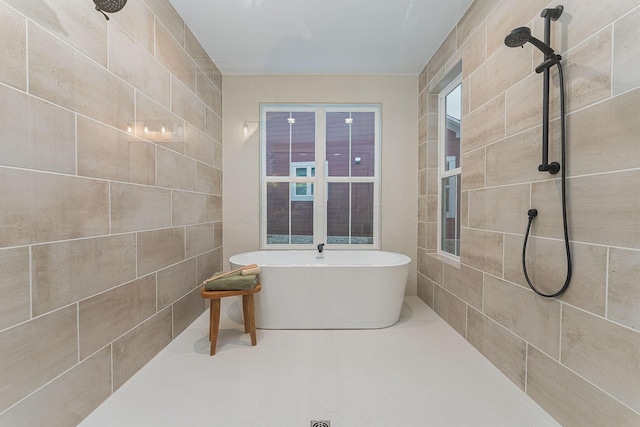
<point>449,132</point>
<point>304,204</point>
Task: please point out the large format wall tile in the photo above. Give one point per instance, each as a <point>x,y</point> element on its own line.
<point>68,399</point>
<point>168,17</point>
<point>615,222</point>
<point>199,145</point>
<point>106,316</point>
<point>176,281</point>
<point>197,52</point>
<point>570,399</point>
<point>45,140</point>
<point>15,304</point>
<point>547,270</point>
<point>82,27</point>
<point>214,208</point>
<point>175,170</point>
<point>208,264</point>
<point>531,317</point>
<point>483,125</point>
<point>626,53</point>
<point>200,239</point>
<point>107,153</point>
<point>524,104</point>
<point>208,92</point>
<point>608,134</point>
<point>499,345</point>
<point>515,159</point>
<point>473,172</point>
<point>499,72</point>
<point>205,178</point>
<point>444,52</point>
<point>465,283</point>
<point>186,310</point>
<point>624,287</point>
<point>13,33</point>
<point>138,21</point>
<point>36,207</point>
<point>173,56</point>
<point>66,77</point>
<point>137,66</point>
<point>451,309</point>
<point>36,352</point>
<point>153,115</point>
<point>482,250</point>
<point>188,208</point>
<point>137,207</point>
<point>473,17</point>
<point>65,272</point>
<point>591,344</point>
<point>187,105</point>
<point>160,248</point>
<point>133,350</point>
<point>589,67</point>
<point>500,209</point>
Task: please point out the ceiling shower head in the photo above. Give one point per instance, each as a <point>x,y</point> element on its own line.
<point>110,6</point>
<point>522,35</point>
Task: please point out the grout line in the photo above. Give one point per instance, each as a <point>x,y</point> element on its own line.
<point>560,335</point>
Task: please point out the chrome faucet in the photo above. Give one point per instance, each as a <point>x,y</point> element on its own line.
<point>320,247</point>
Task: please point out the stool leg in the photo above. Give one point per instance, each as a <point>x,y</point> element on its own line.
<point>215,324</point>
<point>250,314</point>
<point>245,310</point>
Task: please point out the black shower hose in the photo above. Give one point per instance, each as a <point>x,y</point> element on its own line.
<point>533,212</point>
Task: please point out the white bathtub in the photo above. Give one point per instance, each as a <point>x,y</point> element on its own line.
<point>333,290</point>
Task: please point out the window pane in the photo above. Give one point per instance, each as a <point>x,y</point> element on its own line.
<point>303,136</point>
<point>350,213</point>
<point>277,143</point>
<point>363,144</point>
<point>338,213</point>
<point>283,211</point>
<point>290,138</point>
<point>362,213</point>
<point>337,151</point>
<point>278,213</point>
<point>351,143</point>
<point>453,103</point>
<point>450,216</point>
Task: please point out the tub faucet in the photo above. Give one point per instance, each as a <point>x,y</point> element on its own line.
<point>320,247</point>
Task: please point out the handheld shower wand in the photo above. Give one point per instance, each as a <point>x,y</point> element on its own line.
<point>518,37</point>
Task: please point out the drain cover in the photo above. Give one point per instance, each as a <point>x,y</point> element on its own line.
<point>320,423</point>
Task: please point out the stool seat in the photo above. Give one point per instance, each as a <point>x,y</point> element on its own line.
<point>214,312</point>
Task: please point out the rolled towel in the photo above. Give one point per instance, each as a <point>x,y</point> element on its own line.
<point>233,282</point>
<point>249,271</point>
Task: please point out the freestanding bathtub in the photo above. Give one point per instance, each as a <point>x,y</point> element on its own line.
<point>335,289</point>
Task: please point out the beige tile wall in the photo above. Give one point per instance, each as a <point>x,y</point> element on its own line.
<point>576,355</point>
<point>108,222</point>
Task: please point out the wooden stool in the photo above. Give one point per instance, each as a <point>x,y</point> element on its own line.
<point>214,312</point>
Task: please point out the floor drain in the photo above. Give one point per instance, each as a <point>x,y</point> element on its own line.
<point>322,423</point>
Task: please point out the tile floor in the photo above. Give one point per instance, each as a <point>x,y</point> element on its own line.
<point>419,372</point>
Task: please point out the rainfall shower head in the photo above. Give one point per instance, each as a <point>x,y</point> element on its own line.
<point>522,35</point>
<point>109,6</point>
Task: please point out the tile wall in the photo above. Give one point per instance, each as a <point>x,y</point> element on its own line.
<point>576,355</point>
<point>110,198</point>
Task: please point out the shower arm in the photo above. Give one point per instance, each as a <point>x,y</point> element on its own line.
<point>549,60</point>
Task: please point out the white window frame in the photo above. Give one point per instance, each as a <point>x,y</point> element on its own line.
<point>442,162</point>
<point>321,180</point>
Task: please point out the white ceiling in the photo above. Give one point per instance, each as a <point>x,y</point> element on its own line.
<point>321,36</point>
